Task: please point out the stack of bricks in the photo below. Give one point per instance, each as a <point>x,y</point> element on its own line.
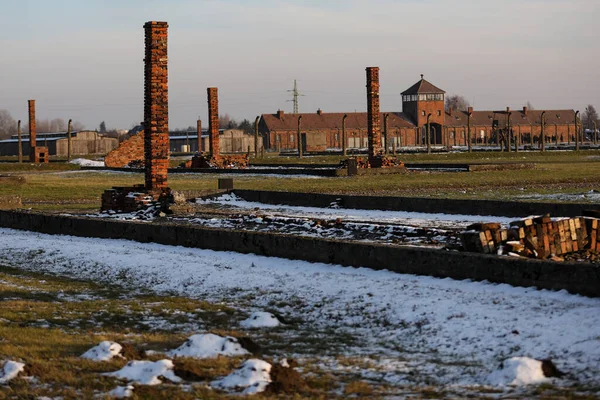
<point>213,121</point>
<point>123,198</point>
<point>130,152</point>
<point>373,118</point>
<point>540,237</point>
<point>156,107</point>
<point>37,154</point>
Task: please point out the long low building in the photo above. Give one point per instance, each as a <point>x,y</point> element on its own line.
<point>421,103</point>
<point>82,143</point>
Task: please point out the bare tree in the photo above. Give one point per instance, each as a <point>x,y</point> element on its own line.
<point>78,126</point>
<point>8,126</point>
<point>456,102</point>
<point>589,116</point>
<point>226,122</point>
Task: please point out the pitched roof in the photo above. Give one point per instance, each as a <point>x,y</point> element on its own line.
<point>355,120</point>
<point>518,117</point>
<point>423,87</point>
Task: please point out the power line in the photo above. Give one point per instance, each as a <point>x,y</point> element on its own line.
<point>295,94</point>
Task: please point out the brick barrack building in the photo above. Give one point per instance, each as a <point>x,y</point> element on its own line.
<point>321,131</point>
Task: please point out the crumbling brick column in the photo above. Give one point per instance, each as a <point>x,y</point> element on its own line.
<point>156,106</point>
<point>373,116</point>
<point>213,121</point>
<point>32,129</point>
<point>199,128</point>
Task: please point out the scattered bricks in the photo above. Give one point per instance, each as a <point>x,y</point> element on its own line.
<point>156,106</point>
<point>541,236</point>
<point>130,150</point>
<point>213,121</point>
<point>373,118</point>
<point>379,162</point>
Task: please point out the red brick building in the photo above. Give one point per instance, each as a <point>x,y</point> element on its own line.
<point>322,131</point>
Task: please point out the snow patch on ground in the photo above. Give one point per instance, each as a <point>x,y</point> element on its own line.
<point>87,163</point>
<point>105,351</point>
<point>348,214</point>
<point>253,376</point>
<point>147,372</point>
<point>121,392</point>
<point>10,370</point>
<point>592,196</point>
<point>209,346</point>
<point>260,319</point>
<point>446,331</point>
<point>518,371</point>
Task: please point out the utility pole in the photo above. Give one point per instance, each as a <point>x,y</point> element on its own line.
<point>256,121</point>
<point>20,145</point>
<point>295,94</point>
<point>299,138</point>
<point>428,134</point>
<point>344,133</point>
<point>576,132</point>
<point>69,148</point>
<point>543,133</point>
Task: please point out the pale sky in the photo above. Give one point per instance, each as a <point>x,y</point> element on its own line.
<point>83,59</point>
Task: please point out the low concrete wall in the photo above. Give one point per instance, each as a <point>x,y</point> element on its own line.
<point>576,278</point>
<point>448,206</point>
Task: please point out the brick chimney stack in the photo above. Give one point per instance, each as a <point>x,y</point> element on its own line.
<point>213,121</point>
<point>320,112</point>
<point>32,127</point>
<point>470,110</point>
<point>373,116</point>
<point>199,129</point>
<point>280,114</point>
<point>156,106</point>
<point>525,109</point>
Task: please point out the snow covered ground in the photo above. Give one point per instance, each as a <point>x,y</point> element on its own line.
<point>407,329</point>
<point>87,163</point>
<point>347,214</point>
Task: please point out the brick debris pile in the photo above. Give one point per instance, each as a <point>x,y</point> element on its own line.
<point>223,161</point>
<point>384,162</point>
<point>535,237</point>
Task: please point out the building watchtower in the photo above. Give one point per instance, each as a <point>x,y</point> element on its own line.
<point>422,99</point>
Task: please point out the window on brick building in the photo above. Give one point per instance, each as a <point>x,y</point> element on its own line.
<point>291,138</point>
<point>423,113</point>
<point>439,113</point>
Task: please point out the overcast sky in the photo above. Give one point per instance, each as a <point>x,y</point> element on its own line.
<point>83,59</point>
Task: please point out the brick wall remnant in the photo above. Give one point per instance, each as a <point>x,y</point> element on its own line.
<point>213,120</point>
<point>130,151</point>
<point>199,129</point>
<point>156,106</point>
<point>373,116</point>
<point>32,126</point>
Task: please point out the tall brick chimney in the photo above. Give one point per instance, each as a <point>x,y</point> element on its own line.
<point>213,121</point>
<point>156,106</point>
<point>199,129</point>
<point>32,127</point>
<point>373,116</point>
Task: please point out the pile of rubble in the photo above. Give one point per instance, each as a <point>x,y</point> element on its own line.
<point>221,161</point>
<point>134,198</point>
<point>383,162</point>
<point>535,237</point>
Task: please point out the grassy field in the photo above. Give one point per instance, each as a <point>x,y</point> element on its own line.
<point>47,322</point>
<point>62,187</point>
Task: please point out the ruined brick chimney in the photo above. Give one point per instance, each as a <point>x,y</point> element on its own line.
<point>32,128</point>
<point>156,106</point>
<point>199,129</point>
<point>373,116</point>
<point>213,121</point>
